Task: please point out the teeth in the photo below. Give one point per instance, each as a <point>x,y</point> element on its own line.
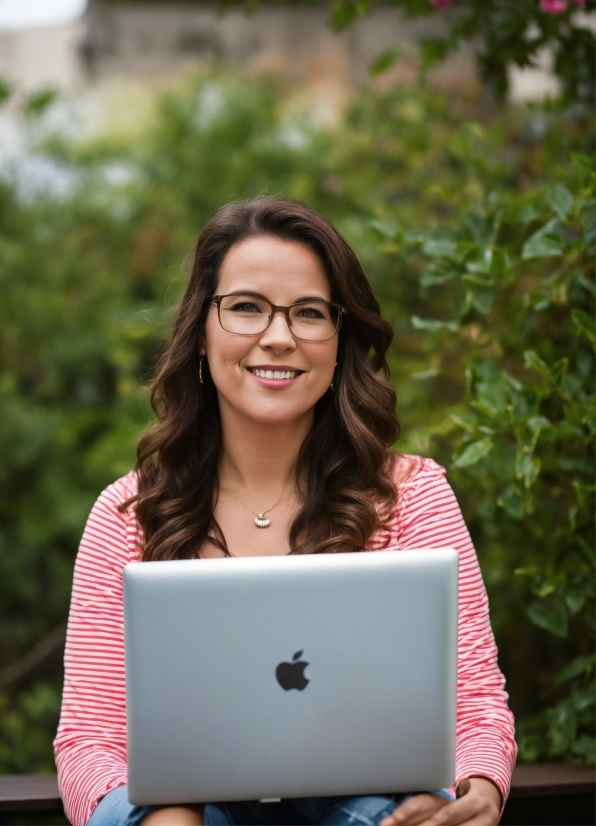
<point>274,374</point>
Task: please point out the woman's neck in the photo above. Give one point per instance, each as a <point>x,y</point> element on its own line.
<point>260,457</point>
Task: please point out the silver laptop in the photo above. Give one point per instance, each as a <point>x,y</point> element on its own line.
<point>290,676</point>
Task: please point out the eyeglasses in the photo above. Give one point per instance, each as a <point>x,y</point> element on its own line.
<point>249,315</point>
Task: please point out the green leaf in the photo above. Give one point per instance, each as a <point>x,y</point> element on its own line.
<point>576,668</point>
<point>529,751</point>
<point>550,616</point>
<point>527,572</point>
<point>37,102</point>
<point>425,374</point>
<point>527,467</point>
<point>584,698</point>
<point>482,299</point>
<point>512,381</point>
<point>559,370</point>
<point>5,90</point>
<point>430,279</point>
<point>385,229</point>
<point>587,284</point>
<point>385,60</point>
<point>583,325</point>
<point>542,589</point>
<point>343,14</point>
<point>538,423</point>
<point>577,596</point>
<point>563,729</point>
<point>513,504</point>
<point>541,246</point>
<point>545,242</point>
<point>560,200</point>
<point>474,452</point>
<point>433,326</point>
<point>582,164</point>
<point>439,247</point>
<point>466,424</point>
<point>585,746</point>
<point>534,362</point>
<point>588,220</point>
<point>499,264</point>
<point>528,213</point>
<point>432,51</point>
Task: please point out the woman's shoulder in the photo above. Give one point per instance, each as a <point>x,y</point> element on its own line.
<point>121,490</point>
<point>417,480</point>
<point>410,472</point>
<point>110,527</point>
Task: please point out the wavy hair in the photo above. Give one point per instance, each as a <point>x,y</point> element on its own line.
<point>343,471</point>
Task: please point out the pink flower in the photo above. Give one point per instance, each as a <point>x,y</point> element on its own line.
<point>553,6</point>
<point>441,4</point>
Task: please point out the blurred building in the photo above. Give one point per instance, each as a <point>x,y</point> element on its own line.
<point>151,39</point>
<point>148,40</point>
<point>38,57</point>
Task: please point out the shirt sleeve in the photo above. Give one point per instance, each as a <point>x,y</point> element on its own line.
<point>90,746</point>
<point>430,517</point>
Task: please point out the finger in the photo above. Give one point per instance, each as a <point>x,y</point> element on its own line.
<point>463,787</point>
<point>471,809</point>
<point>415,810</point>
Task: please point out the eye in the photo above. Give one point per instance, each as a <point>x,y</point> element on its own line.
<point>244,307</point>
<point>311,313</point>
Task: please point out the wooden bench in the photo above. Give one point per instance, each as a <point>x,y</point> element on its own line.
<point>552,795</point>
<point>549,795</point>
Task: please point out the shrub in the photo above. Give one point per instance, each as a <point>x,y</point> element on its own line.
<point>447,213</point>
<point>514,281</point>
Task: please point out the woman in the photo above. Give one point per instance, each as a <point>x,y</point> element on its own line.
<point>274,436</point>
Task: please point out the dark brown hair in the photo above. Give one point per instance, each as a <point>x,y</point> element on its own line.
<point>344,464</point>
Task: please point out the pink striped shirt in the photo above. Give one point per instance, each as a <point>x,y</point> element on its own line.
<point>90,746</point>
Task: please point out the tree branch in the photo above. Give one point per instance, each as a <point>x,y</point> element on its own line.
<point>38,653</point>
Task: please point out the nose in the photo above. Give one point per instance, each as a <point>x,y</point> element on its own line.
<point>278,335</point>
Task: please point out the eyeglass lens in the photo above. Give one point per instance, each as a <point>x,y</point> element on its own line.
<point>247,315</point>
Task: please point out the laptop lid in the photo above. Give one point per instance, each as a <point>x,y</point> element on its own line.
<point>291,676</point>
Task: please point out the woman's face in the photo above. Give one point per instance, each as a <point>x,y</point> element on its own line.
<point>283,272</point>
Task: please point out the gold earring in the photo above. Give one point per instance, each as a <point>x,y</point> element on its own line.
<point>332,386</point>
<point>201,370</point>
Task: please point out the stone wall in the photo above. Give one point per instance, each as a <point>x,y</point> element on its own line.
<point>41,57</point>
<point>149,39</point>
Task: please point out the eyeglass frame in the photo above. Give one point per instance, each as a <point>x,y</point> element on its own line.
<point>278,308</point>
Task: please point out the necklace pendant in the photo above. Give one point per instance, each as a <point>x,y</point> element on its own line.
<point>262,522</point>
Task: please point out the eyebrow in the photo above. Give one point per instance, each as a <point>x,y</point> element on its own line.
<point>297,301</point>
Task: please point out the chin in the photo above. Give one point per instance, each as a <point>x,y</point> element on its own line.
<point>274,412</point>
<point>278,417</point>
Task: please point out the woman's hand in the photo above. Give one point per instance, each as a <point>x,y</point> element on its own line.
<point>478,804</point>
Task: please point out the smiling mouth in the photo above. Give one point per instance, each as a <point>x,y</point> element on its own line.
<point>274,374</point>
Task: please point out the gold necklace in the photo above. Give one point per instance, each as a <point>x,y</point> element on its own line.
<point>260,520</point>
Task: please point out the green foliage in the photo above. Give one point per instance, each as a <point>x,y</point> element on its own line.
<point>518,318</point>
<point>26,723</point>
<point>502,33</point>
<point>477,239</point>
<point>38,102</point>
<point>385,60</point>
<point>5,90</point>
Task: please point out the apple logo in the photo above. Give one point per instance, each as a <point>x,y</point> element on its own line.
<point>291,675</point>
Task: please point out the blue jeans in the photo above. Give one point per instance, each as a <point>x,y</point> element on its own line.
<point>115,810</point>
